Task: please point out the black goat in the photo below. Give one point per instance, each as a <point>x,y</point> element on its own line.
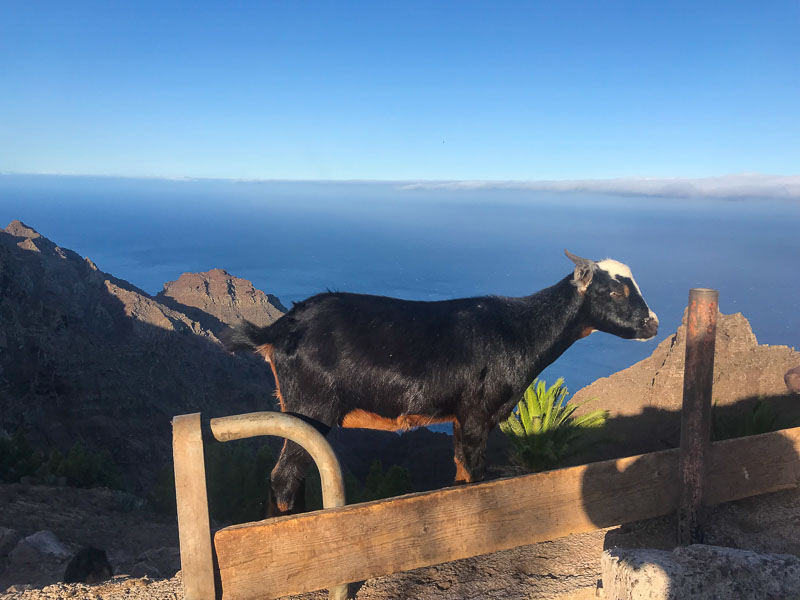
<point>381,363</point>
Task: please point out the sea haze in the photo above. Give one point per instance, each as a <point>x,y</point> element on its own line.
<point>294,239</point>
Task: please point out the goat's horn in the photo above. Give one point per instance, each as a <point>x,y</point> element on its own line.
<point>577,259</point>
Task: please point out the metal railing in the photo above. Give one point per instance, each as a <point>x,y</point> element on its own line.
<point>194,528</point>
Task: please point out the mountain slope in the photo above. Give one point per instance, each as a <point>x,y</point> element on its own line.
<point>87,356</point>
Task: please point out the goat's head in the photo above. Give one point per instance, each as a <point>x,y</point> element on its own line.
<point>613,299</point>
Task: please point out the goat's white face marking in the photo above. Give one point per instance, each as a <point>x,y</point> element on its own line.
<point>617,269</point>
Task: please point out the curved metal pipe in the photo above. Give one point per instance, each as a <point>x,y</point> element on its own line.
<point>248,425</point>
<point>278,424</point>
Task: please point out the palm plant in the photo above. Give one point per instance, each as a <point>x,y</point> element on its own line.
<point>759,418</point>
<point>543,430</point>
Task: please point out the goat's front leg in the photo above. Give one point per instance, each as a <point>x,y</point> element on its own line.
<point>469,442</point>
<point>462,475</point>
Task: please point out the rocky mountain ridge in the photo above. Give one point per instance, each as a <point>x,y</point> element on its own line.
<point>644,400</point>
<point>88,356</point>
<point>217,299</point>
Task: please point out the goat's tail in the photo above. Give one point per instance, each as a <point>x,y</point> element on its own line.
<point>245,336</point>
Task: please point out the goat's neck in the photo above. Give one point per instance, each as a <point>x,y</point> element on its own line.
<point>554,323</point>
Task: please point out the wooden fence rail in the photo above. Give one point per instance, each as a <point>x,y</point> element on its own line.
<point>296,554</point>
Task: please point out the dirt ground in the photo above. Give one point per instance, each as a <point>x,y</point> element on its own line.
<point>566,569</point>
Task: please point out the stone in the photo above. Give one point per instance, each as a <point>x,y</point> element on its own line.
<point>159,562</point>
<point>23,554</point>
<point>8,539</point>
<point>89,565</point>
<point>46,542</point>
<point>792,379</point>
<point>37,558</point>
<point>698,572</point>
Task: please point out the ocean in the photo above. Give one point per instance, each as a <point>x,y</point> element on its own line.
<point>294,239</point>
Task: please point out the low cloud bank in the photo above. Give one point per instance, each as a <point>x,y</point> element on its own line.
<point>726,186</point>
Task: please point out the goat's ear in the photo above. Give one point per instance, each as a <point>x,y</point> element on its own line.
<point>583,276</point>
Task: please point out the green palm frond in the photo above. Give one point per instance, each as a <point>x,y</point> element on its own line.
<point>542,428</point>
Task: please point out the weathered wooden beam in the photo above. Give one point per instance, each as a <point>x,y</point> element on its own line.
<point>194,529</point>
<point>698,376</point>
<point>290,555</point>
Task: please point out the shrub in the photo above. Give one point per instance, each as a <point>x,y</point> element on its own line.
<point>543,430</point>
<point>761,418</point>
<point>17,457</point>
<point>378,484</point>
<point>237,482</point>
<point>81,467</point>
<point>162,495</point>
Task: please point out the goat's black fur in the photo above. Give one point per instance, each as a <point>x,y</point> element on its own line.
<point>343,359</point>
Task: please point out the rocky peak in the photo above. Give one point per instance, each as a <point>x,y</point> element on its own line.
<point>33,241</point>
<point>743,368</point>
<point>644,400</point>
<point>219,294</point>
<point>19,229</point>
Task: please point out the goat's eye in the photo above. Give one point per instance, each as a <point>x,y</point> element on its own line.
<point>617,295</point>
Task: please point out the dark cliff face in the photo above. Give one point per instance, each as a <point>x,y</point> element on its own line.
<point>87,356</point>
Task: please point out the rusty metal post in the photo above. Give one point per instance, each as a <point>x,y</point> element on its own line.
<point>701,333</point>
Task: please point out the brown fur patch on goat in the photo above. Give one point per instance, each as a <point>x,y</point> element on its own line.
<point>462,475</point>
<point>363,419</point>
<point>266,350</point>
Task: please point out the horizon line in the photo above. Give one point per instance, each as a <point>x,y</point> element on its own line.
<point>734,185</point>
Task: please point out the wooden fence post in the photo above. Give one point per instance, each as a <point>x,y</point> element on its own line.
<point>701,333</point>
<point>194,527</point>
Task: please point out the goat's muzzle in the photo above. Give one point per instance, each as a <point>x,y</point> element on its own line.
<point>649,327</point>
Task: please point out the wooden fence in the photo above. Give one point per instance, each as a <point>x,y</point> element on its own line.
<point>295,554</point>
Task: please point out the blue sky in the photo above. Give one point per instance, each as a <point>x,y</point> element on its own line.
<point>400,90</point>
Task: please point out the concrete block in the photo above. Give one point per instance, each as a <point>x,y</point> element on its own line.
<point>699,572</point>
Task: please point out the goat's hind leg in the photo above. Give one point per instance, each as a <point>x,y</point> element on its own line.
<point>297,398</point>
<point>288,488</point>
<point>288,476</point>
